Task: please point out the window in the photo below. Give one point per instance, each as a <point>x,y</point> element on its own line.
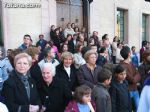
<point>144,33</point>
<point>120,24</point>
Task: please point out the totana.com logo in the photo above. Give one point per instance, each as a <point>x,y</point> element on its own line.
<point>22,5</point>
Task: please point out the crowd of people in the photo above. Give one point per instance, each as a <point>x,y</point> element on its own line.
<point>74,73</point>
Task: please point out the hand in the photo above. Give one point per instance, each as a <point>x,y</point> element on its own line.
<point>33,108</point>
<point>43,109</point>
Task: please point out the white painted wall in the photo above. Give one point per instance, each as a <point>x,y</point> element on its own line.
<point>34,21</point>
<point>20,21</point>
<point>103,18</point>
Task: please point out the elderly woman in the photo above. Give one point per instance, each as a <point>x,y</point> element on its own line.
<point>19,89</point>
<point>87,73</point>
<point>53,92</point>
<point>66,70</point>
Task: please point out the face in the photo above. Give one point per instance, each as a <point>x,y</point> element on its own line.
<point>60,29</point>
<point>41,37</point>
<point>148,58</point>
<point>133,50</point>
<point>108,81</point>
<point>106,43</point>
<point>47,75</point>
<point>53,27</point>
<point>76,29</point>
<point>69,26</point>
<point>121,76</point>
<point>27,40</point>
<point>86,98</point>
<point>51,53</point>
<point>35,58</point>
<point>81,38</point>
<point>94,48</point>
<point>47,45</point>
<point>57,31</point>
<point>92,59</point>
<point>8,52</point>
<point>95,33</point>
<point>65,48</point>
<point>92,42</point>
<point>67,61</point>
<point>69,38</point>
<point>74,37</point>
<point>80,49</point>
<point>22,65</point>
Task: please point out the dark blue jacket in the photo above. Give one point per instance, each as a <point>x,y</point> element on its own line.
<point>120,97</point>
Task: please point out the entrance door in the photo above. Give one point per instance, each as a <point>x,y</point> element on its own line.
<point>69,11</point>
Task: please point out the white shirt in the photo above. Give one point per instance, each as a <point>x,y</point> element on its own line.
<point>78,60</point>
<point>41,63</point>
<point>114,48</point>
<point>68,70</point>
<point>118,56</point>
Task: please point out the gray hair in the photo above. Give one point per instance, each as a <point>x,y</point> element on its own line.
<point>23,55</point>
<point>51,68</point>
<point>88,53</point>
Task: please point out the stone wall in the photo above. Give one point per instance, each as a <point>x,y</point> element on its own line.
<point>104,13</point>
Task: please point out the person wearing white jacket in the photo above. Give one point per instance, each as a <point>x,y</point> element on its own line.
<point>3,107</point>
<point>144,103</point>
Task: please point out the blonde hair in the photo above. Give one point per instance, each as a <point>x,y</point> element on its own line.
<point>32,51</point>
<point>23,55</point>
<point>88,53</point>
<point>66,54</point>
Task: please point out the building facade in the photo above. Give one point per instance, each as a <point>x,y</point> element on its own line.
<point>127,19</point>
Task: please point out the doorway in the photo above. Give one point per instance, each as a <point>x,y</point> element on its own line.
<point>69,11</point>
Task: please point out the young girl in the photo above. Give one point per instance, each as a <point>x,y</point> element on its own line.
<point>82,100</point>
<point>119,91</point>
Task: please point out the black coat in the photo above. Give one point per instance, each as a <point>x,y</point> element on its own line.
<point>71,81</point>
<point>15,94</point>
<point>120,96</point>
<point>55,96</point>
<point>72,46</point>
<point>36,73</point>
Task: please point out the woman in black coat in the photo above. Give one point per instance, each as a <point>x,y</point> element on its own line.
<point>54,94</point>
<point>19,90</point>
<point>66,71</point>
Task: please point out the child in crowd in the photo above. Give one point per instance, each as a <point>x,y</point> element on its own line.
<point>100,92</point>
<point>133,76</point>
<point>82,100</point>
<point>119,93</point>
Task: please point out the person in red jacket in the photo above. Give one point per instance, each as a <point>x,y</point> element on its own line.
<point>82,101</point>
